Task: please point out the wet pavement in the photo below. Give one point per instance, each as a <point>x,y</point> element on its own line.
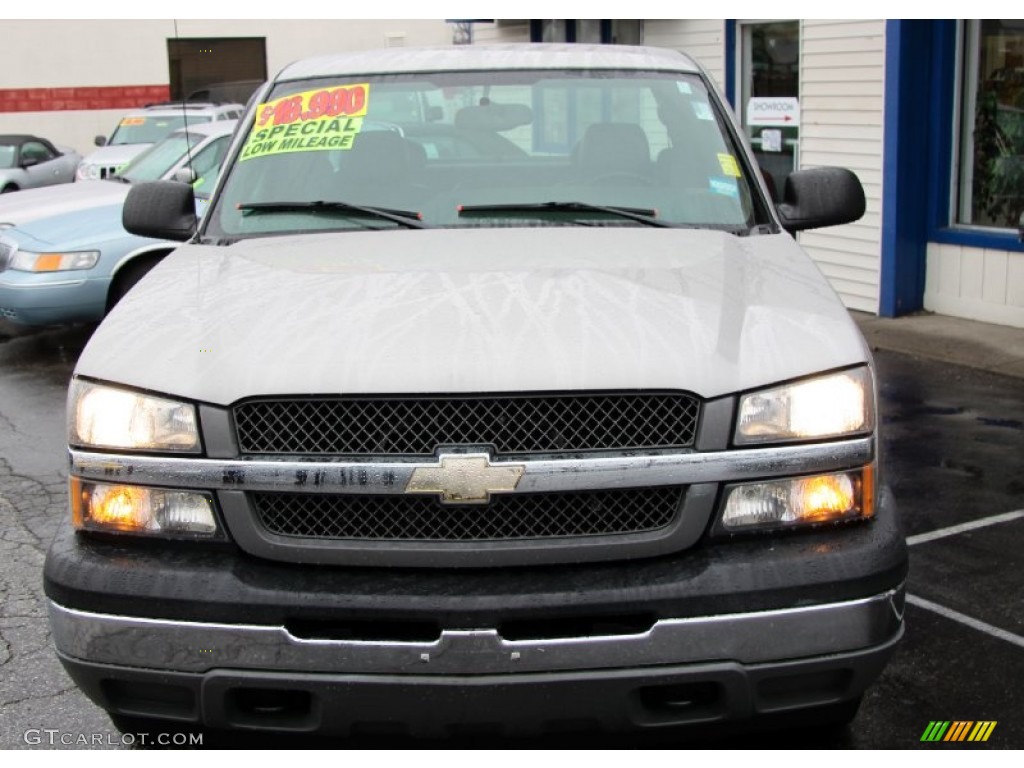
<point>953,440</point>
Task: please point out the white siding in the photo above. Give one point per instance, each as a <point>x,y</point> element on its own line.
<point>701,39</point>
<point>842,86</point>
<point>504,31</point>
<point>975,283</point>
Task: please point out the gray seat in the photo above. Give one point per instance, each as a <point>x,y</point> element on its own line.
<point>382,168</point>
<point>614,149</point>
<point>381,157</point>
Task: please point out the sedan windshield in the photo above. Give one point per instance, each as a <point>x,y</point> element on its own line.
<point>485,149</point>
<point>156,161</point>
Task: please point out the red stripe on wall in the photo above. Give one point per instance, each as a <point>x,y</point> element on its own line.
<point>91,97</point>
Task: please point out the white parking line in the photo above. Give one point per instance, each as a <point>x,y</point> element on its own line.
<point>952,530</point>
<point>981,626</point>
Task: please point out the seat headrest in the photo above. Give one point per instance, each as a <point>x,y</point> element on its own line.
<point>380,156</point>
<point>611,147</point>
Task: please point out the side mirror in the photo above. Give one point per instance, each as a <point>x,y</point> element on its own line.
<point>165,210</point>
<point>28,162</point>
<point>100,141</point>
<point>821,197</point>
<point>185,175</point>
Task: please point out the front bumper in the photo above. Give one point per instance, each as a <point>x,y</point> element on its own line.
<point>30,298</point>
<point>680,672</point>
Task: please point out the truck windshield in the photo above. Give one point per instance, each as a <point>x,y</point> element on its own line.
<point>484,149</point>
<point>147,130</point>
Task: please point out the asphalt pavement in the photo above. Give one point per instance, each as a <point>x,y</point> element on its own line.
<point>952,413</point>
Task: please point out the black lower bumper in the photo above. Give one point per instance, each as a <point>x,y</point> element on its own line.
<point>443,706</point>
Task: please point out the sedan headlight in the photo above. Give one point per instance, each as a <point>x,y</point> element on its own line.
<point>833,405</point>
<point>29,261</point>
<point>101,416</point>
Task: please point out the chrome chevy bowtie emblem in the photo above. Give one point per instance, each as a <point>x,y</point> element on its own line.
<point>468,479</point>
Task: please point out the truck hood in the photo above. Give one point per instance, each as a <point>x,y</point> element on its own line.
<point>28,205</point>
<point>115,154</point>
<point>476,310</point>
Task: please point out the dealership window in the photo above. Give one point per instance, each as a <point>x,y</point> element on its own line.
<point>990,189</point>
<point>220,69</point>
<point>594,31</point>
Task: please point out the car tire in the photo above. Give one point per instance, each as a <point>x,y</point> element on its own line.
<point>9,188</point>
<point>128,276</point>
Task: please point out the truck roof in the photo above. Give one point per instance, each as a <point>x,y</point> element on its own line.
<point>484,57</point>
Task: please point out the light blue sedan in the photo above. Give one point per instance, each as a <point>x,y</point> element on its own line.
<point>76,261</point>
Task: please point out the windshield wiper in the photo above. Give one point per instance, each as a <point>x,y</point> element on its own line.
<point>642,215</point>
<point>409,219</point>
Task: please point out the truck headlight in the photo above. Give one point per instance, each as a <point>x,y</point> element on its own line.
<point>101,416</point>
<point>87,172</point>
<point>29,261</point>
<point>834,405</point>
<point>800,501</point>
<point>115,508</point>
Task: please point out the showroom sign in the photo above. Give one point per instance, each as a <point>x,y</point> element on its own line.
<point>773,110</point>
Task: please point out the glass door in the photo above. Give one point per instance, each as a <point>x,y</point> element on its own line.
<point>770,96</point>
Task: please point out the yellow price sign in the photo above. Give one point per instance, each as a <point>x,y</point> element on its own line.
<point>323,119</point>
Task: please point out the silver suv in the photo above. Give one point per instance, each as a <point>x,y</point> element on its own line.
<point>144,127</point>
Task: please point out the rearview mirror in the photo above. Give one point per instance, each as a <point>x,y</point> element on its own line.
<point>162,209</point>
<point>100,141</point>
<point>821,197</point>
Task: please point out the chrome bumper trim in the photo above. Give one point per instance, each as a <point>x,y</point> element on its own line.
<point>748,638</point>
<point>540,475</point>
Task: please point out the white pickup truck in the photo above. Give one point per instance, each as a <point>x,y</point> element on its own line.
<point>522,413</point>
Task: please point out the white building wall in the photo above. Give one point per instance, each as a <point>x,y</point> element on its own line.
<point>975,283</point>
<point>55,53</point>
<point>842,91</point>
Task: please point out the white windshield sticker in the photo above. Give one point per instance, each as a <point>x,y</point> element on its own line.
<point>702,110</point>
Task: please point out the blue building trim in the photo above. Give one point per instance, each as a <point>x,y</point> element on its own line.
<point>993,239</point>
<point>905,160</point>
<point>941,126</point>
<point>730,62</point>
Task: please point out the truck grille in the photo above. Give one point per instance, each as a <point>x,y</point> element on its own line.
<point>511,424</point>
<point>418,518</point>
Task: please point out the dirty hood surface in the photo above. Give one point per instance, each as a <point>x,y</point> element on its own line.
<point>476,310</point>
